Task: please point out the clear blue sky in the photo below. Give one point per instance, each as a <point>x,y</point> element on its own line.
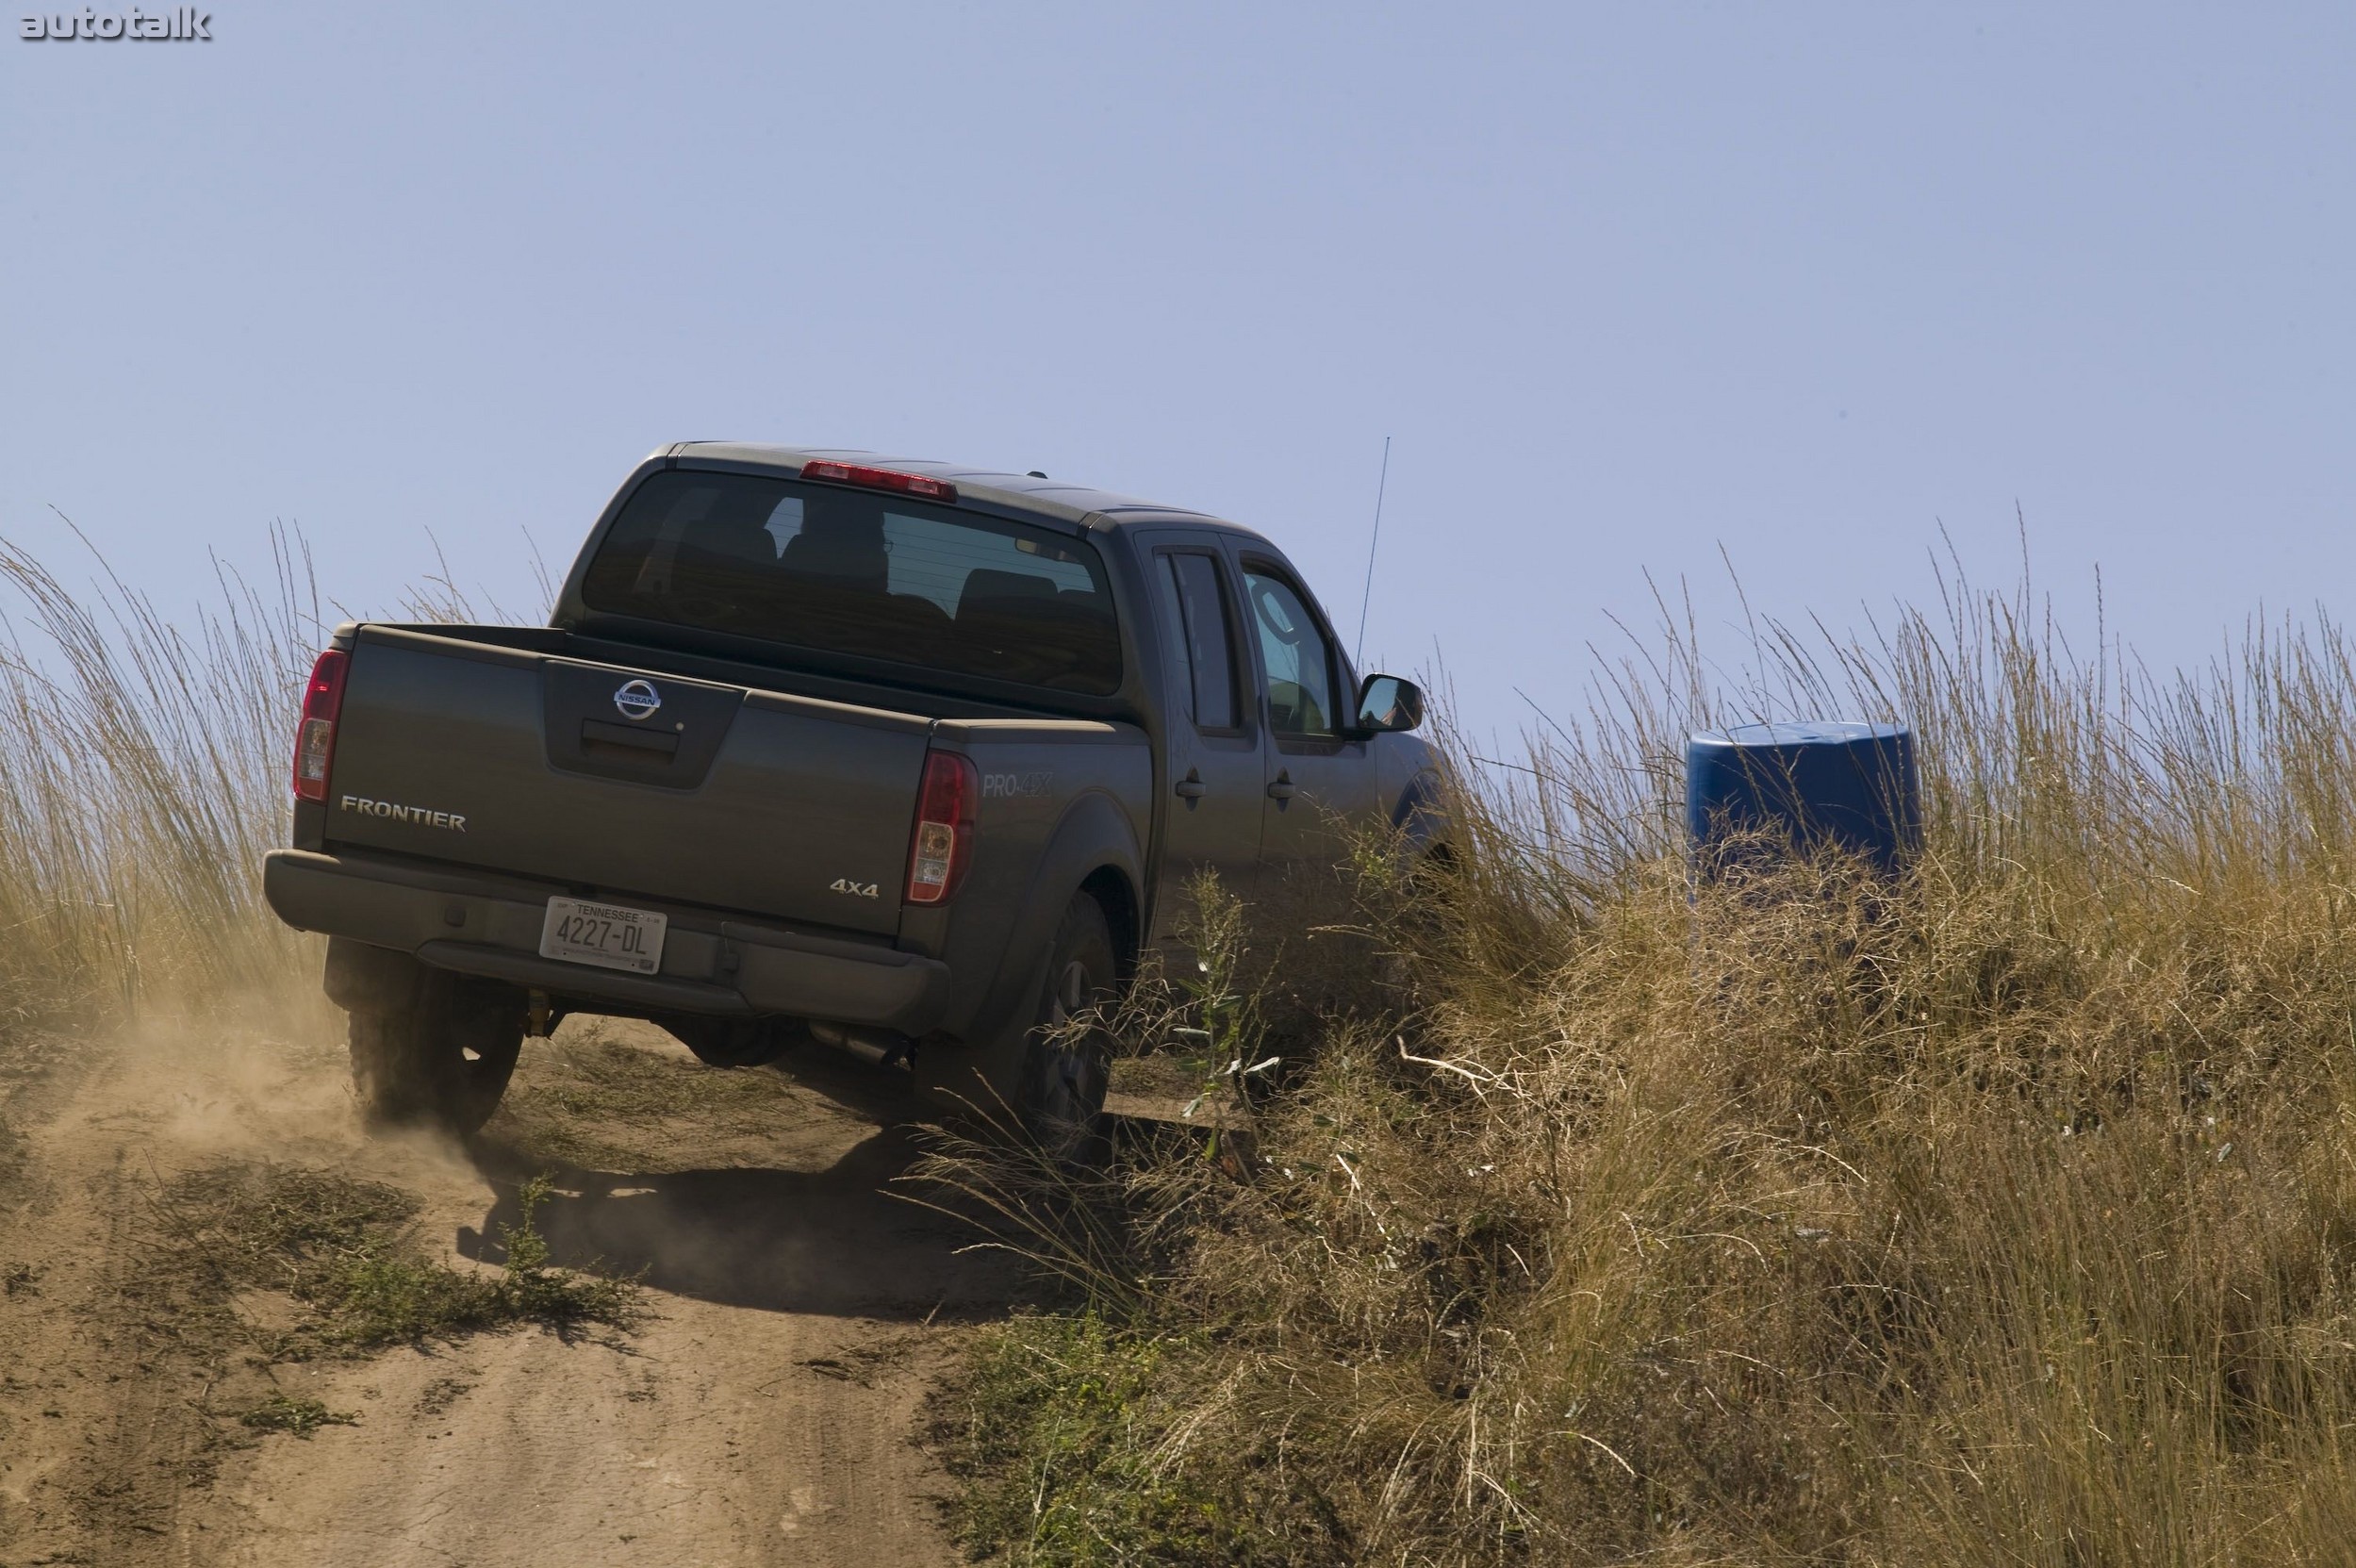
<point>1625,283</point>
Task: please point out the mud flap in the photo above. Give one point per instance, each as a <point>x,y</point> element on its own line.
<point>359,977</point>
<point>979,1078</point>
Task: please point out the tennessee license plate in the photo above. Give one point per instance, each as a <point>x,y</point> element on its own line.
<point>607,935</point>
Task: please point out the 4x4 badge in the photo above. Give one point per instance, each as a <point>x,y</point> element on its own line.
<point>638,699</point>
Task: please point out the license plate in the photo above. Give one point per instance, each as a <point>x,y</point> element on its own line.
<point>607,935</point>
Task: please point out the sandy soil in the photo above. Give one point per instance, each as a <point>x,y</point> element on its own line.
<point>765,1413</point>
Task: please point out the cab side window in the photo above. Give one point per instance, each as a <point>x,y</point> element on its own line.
<point>1200,637</point>
<point>1296,657</point>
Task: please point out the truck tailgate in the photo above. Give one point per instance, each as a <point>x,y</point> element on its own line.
<point>621,781</point>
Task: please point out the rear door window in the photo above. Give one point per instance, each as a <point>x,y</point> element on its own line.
<point>870,576</point>
<point>1202,638</point>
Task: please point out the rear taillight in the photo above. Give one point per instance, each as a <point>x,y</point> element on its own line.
<point>315,742</point>
<point>944,841</point>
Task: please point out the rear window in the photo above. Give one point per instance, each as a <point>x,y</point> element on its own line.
<point>871,575</point>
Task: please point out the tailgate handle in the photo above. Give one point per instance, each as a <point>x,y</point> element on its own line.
<point>600,736</point>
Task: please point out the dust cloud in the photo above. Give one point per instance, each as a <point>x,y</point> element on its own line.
<point>764,1410</point>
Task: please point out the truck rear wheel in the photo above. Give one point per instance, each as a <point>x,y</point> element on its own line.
<point>438,1056</point>
<point>1066,1066</point>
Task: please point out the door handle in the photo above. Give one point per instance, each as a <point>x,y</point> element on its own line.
<point>1192,786</point>
<point>1284,788</point>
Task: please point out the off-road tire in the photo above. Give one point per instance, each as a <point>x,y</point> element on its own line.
<point>1060,1093</point>
<point>440,1056</point>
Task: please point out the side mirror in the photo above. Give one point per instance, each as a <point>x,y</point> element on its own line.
<point>1387,703</point>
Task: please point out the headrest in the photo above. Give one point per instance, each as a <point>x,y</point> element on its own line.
<point>991,588</point>
<point>737,525</point>
<point>841,544</point>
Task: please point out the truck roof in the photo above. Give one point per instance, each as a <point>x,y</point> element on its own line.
<point>1053,500</point>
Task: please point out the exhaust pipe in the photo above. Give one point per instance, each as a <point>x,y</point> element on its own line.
<point>878,1047</point>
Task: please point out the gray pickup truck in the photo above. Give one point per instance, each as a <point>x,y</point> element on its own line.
<point>823,746</point>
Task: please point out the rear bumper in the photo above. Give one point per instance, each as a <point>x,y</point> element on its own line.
<point>490,926</point>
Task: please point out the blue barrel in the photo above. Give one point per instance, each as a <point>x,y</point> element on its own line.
<point>1848,786</point>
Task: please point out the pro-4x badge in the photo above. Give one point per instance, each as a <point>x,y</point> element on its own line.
<point>856,889</point>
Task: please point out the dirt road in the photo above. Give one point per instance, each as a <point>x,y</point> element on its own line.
<point>764,1410</point>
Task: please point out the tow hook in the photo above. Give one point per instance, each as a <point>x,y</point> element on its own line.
<point>539,1017</point>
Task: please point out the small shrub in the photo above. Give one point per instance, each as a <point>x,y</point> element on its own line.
<point>301,1417</point>
<point>530,1289</point>
<point>1060,1430</point>
<point>346,1250</point>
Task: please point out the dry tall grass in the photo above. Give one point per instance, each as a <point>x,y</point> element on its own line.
<point>2007,1218</point>
<point>142,774</point>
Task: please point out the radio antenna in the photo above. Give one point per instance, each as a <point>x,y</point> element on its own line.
<point>1367,597</point>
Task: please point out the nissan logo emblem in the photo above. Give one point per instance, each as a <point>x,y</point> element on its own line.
<point>638,699</point>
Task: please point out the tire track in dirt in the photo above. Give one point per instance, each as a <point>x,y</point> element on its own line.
<point>764,1412</point>
<point>90,1432</point>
